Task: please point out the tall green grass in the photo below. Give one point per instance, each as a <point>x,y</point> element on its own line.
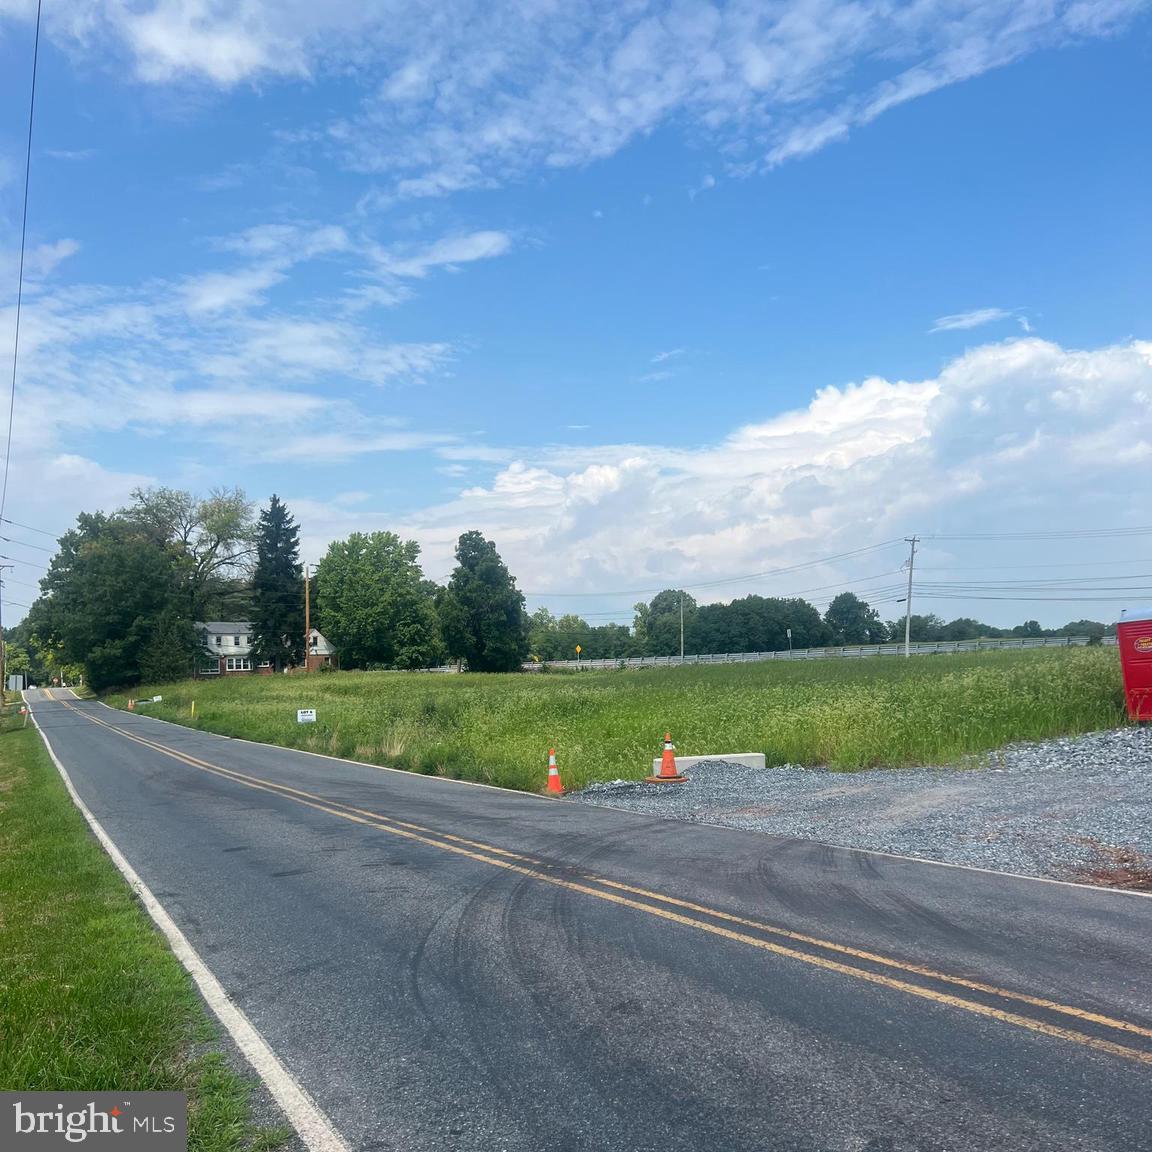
<point>846,714</point>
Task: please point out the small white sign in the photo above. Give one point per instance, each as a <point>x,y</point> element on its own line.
<point>157,699</point>
<point>305,715</point>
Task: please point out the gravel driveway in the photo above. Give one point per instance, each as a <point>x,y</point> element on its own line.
<point>1048,809</point>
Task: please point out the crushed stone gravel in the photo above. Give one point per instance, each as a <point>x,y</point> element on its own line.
<point>1042,809</point>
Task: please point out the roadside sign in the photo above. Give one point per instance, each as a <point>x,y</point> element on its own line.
<point>157,699</point>
<point>578,649</point>
<point>305,715</point>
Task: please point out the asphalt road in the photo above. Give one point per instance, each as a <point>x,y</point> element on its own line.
<point>445,966</point>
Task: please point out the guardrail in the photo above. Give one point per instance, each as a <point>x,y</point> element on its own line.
<point>854,651</point>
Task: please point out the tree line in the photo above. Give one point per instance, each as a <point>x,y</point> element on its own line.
<point>125,591</point>
<point>757,624</point>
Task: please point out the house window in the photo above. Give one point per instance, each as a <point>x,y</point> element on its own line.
<point>219,641</point>
<point>236,641</point>
<point>238,664</point>
<point>264,664</point>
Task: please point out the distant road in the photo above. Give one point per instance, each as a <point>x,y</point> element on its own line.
<point>447,966</point>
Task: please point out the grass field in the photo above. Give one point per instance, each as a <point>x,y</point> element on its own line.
<point>606,725</point>
<point>91,999</point>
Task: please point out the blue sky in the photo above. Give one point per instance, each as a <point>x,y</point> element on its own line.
<point>652,293</point>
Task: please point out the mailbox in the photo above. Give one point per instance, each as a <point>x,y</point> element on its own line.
<point>1134,635</point>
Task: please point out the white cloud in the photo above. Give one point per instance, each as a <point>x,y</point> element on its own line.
<point>974,319</point>
<point>216,291</point>
<point>467,94</point>
<point>671,354</point>
<point>71,153</point>
<point>39,261</point>
<point>448,252</point>
<point>1018,436</point>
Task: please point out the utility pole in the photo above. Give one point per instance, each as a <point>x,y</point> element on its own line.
<point>908,601</point>
<point>307,618</point>
<point>681,625</point>
<point>3,646</point>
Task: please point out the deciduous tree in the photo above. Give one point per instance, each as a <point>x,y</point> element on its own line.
<point>374,605</point>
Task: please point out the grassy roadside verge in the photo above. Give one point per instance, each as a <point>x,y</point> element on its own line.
<point>846,714</point>
<point>91,999</point>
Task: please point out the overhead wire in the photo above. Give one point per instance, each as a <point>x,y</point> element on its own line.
<point>31,528</point>
<point>20,273</point>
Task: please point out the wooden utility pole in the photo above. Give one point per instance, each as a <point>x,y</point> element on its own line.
<point>913,540</point>
<point>307,618</point>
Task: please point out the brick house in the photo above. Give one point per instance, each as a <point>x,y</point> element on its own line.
<point>228,650</point>
<point>320,652</point>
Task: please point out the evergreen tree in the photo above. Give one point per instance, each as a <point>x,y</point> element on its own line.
<point>481,611</point>
<point>278,589</point>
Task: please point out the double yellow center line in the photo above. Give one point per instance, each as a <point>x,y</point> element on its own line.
<point>872,967</point>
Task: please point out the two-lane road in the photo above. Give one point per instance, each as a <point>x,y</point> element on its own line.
<point>445,966</point>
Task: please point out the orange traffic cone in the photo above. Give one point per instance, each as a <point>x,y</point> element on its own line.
<point>554,784</point>
<point>668,773</point>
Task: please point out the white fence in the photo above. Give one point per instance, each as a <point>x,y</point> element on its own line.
<point>919,648</point>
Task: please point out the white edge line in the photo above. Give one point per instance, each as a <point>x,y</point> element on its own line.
<point>632,812</point>
<point>315,1129</point>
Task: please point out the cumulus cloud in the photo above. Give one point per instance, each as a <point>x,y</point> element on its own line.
<point>1019,436</point>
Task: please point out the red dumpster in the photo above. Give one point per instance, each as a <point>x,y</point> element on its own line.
<point>1134,634</point>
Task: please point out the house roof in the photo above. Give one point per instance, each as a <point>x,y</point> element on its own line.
<point>224,627</point>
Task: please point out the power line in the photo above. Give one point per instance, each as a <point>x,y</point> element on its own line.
<point>21,560</point>
<point>726,580</point>
<point>20,274</point>
<point>31,528</point>
<point>1065,534</point>
<point>1028,567</point>
<point>25,544</point>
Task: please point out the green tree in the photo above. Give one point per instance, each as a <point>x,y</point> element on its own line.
<point>373,603</point>
<point>277,589</point>
<point>966,628</point>
<point>662,622</point>
<point>1029,629</point>
<point>543,638</point>
<point>482,611</point>
<point>172,649</point>
<point>1090,628</point>
<point>209,539</point>
<point>107,588</point>
<point>852,621</point>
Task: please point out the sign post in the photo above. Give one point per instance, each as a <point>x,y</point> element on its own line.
<point>578,651</point>
<point>305,715</point>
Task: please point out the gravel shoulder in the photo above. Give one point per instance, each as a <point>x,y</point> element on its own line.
<point>1058,809</point>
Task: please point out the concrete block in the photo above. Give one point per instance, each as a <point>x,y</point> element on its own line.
<point>748,759</point>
